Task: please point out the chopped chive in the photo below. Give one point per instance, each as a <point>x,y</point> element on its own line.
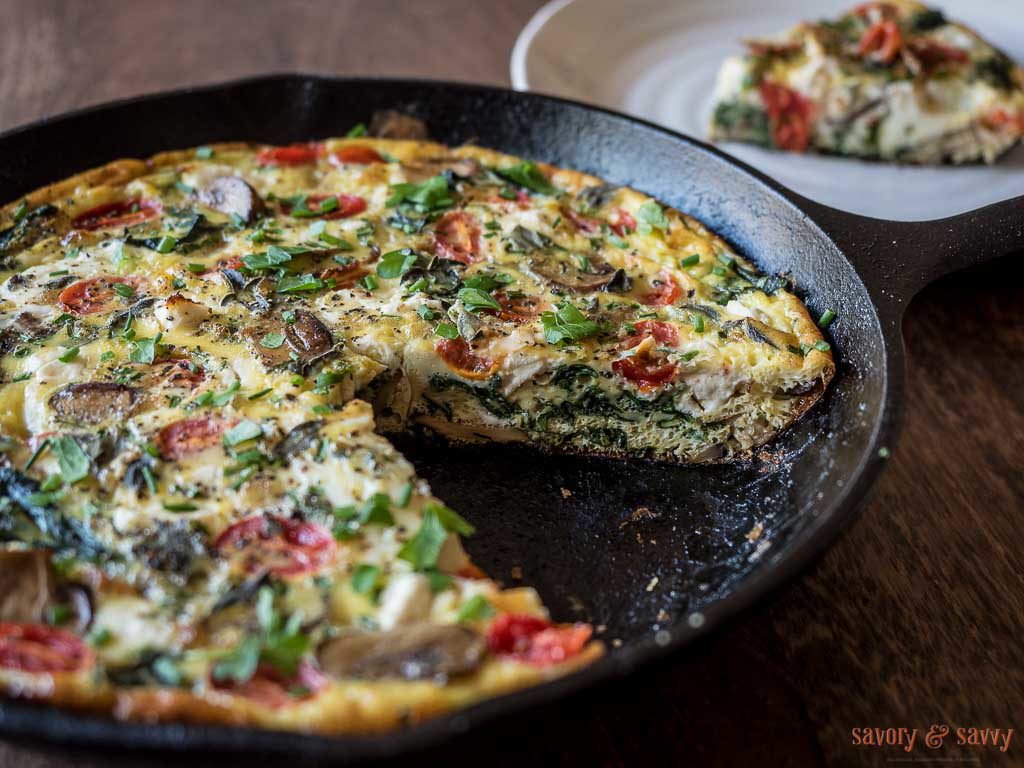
<point>404,496</point>
<point>147,475</point>
<point>204,153</point>
<point>369,282</point>
<point>826,318</point>
<point>822,346</point>
<point>424,311</point>
<point>720,271</point>
<point>182,506</point>
<point>195,268</point>
<point>37,453</point>
<point>690,355</point>
<point>698,322</point>
<point>68,355</point>
<point>165,244</point>
<point>20,211</point>
<point>261,393</point>
<point>690,261</point>
<point>298,380</point>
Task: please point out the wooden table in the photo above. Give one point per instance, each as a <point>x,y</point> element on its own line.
<point>915,617</point>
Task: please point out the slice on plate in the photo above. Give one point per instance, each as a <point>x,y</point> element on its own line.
<point>894,81</point>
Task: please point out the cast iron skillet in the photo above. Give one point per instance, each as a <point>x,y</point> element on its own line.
<point>654,580</point>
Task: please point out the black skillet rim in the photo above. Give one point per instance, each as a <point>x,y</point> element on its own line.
<point>23,719</point>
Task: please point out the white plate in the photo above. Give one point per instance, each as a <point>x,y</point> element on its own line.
<point>657,59</point>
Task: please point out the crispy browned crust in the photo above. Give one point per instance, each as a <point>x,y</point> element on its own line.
<point>347,707</point>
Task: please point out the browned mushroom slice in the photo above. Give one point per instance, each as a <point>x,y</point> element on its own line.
<point>593,274</point>
<point>94,402</point>
<point>26,585</point>
<point>463,167</point>
<point>302,341</point>
<point>390,124</point>
<point>232,196</point>
<point>416,652</point>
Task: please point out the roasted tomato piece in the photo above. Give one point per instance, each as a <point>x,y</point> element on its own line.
<point>459,356</point>
<point>666,291</point>
<point>295,154</point>
<point>41,648</point>
<point>181,438</point>
<point>278,545</point>
<point>179,372</point>
<point>622,221</point>
<point>457,237</point>
<point>881,42</point>
<point>343,207</point>
<point>345,276</point>
<point>536,640</point>
<point>121,213</point>
<point>932,54</point>
<point>1001,118</point>
<point>789,114</point>
<point>518,309</point>
<point>646,372</point>
<point>93,295</point>
<point>269,687</point>
<point>356,155</point>
<point>521,200</point>
<point>581,222</point>
<point>666,334</point>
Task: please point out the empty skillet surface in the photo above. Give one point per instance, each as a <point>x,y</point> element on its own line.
<point>655,554</point>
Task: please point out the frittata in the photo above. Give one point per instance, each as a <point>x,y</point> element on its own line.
<point>200,519</point>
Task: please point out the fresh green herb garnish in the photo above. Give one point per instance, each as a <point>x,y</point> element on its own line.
<point>690,261</point>
<point>476,299</point>
<point>396,263</point>
<point>826,318</point>
<point>272,340</point>
<point>567,323</point>
<point>447,331</point>
<point>68,354</point>
<point>475,609</point>
<point>242,432</point>
<point>650,216</point>
<point>365,578</point>
<point>528,176</point>
<point>74,463</point>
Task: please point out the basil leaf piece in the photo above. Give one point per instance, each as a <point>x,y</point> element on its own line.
<point>430,195</point>
<point>240,665</point>
<point>650,217</point>
<point>423,549</point>
<point>144,350</point>
<point>299,283</point>
<point>396,263</point>
<point>528,176</point>
<point>487,282</point>
<point>567,323</point>
<point>272,340</point>
<point>273,257</point>
<point>475,300</point>
<point>364,578</point>
<point>74,464</point>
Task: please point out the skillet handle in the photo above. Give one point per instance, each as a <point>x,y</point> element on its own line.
<point>897,259</point>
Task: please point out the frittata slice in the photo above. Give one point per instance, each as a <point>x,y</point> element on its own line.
<point>894,81</point>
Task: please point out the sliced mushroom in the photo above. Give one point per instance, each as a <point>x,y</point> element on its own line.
<point>462,167</point>
<point>564,272</point>
<point>391,124</point>
<point>302,341</point>
<point>94,402</point>
<point>417,652</point>
<point>26,585</point>
<point>24,328</point>
<point>308,336</point>
<point>232,196</point>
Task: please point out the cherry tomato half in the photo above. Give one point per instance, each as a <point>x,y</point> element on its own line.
<point>41,648</point>
<point>279,545</point>
<point>535,640</point>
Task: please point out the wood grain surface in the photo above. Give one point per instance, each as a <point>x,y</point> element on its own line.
<point>915,618</point>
